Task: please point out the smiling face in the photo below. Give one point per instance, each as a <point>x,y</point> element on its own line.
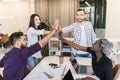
<point>80,16</point>
<point>36,21</point>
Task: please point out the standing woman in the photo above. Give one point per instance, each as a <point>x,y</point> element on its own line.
<point>32,35</point>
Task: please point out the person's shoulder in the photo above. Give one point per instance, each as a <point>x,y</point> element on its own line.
<point>11,51</point>
<point>75,23</point>
<point>30,29</point>
<point>88,22</point>
<point>107,60</point>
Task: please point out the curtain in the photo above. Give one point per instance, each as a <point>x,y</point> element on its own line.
<point>64,10</point>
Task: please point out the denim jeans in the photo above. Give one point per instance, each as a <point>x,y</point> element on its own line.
<point>32,62</point>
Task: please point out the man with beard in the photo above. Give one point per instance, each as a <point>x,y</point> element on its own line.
<point>82,32</point>
<point>15,60</point>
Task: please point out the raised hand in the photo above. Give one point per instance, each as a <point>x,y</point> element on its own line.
<point>56,25</point>
<point>60,35</point>
<point>59,29</point>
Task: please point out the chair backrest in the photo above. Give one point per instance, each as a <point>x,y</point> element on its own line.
<point>116,71</point>
<point>4,38</point>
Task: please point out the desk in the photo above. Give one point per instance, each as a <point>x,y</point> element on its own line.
<point>43,66</point>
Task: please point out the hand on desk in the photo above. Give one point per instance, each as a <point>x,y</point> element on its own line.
<point>86,78</point>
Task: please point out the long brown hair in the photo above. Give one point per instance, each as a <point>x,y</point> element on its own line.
<point>31,22</point>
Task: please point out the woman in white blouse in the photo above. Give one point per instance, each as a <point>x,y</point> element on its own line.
<point>32,35</point>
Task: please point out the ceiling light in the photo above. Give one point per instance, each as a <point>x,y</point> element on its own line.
<point>3,17</point>
<point>10,0</point>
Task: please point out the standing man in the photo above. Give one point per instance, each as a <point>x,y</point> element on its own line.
<point>82,32</point>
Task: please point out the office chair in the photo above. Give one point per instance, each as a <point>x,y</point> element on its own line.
<point>116,71</point>
<point>4,39</point>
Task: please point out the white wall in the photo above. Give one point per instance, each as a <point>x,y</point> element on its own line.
<point>19,11</point>
<point>113,19</point>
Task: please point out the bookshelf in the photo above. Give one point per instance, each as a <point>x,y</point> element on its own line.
<point>56,45</point>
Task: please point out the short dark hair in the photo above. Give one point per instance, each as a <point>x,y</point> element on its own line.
<point>81,10</point>
<point>15,36</point>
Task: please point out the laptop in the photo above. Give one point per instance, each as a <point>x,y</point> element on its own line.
<point>80,69</point>
<point>68,76</point>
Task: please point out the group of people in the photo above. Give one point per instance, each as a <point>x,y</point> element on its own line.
<point>26,52</point>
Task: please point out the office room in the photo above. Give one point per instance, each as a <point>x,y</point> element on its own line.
<point>102,17</point>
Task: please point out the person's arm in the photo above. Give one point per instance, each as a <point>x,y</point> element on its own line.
<point>32,32</point>
<point>47,38</point>
<point>46,32</point>
<point>67,29</point>
<point>116,71</point>
<point>76,46</point>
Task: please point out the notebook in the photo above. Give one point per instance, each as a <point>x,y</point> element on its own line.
<point>80,69</point>
<point>68,76</point>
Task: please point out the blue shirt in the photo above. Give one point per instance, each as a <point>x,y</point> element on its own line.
<point>15,61</point>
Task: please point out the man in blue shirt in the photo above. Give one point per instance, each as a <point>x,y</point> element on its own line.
<point>15,61</point>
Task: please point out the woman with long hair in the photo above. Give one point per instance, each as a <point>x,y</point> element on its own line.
<point>32,35</point>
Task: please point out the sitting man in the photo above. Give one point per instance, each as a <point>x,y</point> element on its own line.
<point>15,60</point>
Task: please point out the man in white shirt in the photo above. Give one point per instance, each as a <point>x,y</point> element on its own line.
<point>82,32</point>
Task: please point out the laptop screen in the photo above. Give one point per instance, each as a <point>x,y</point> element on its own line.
<point>80,69</point>
<point>68,76</point>
<point>74,63</point>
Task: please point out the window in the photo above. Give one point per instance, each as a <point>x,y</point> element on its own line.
<point>95,13</point>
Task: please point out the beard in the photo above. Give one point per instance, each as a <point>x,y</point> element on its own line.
<point>23,46</point>
<point>80,20</point>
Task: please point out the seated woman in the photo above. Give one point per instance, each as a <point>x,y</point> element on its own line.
<point>100,51</point>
